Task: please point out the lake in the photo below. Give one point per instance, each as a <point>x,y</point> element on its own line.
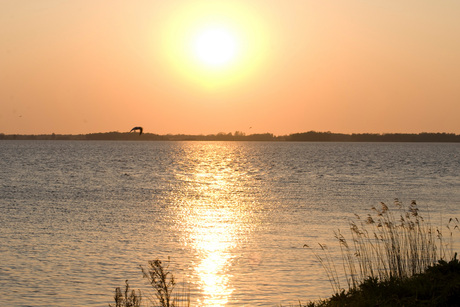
<point>78,218</point>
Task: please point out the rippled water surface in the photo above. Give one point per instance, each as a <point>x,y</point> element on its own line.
<point>78,218</point>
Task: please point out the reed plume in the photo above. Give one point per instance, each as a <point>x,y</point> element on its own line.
<point>387,245</point>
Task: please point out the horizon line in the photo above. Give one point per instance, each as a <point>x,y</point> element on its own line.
<point>236,133</point>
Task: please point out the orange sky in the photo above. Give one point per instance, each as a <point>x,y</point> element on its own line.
<point>342,66</point>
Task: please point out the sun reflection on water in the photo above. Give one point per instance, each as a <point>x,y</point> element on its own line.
<point>213,219</point>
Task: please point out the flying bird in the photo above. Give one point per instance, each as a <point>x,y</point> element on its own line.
<point>137,128</point>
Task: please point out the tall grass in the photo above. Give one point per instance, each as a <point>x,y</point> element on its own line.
<point>163,285</point>
<point>386,245</point>
<point>129,299</point>
<point>384,248</point>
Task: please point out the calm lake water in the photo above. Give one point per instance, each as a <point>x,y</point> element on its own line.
<point>77,218</point>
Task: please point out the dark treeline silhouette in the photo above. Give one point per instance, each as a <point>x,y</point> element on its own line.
<point>114,136</point>
<point>311,136</point>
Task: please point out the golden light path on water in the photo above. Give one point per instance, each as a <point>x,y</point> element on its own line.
<point>213,219</point>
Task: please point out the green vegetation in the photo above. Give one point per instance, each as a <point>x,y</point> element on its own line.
<point>391,260</point>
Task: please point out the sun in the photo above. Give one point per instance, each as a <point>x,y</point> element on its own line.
<point>215,46</point>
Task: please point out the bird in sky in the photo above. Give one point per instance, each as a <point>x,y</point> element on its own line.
<point>137,128</point>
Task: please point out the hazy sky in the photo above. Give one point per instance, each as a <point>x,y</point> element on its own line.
<point>202,67</point>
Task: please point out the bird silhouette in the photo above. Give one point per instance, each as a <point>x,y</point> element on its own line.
<point>137,128</point>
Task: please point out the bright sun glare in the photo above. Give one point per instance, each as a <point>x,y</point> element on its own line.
<point>214,43</point>
<point>215,46</point>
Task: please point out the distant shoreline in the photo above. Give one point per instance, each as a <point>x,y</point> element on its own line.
<point>311,136</point>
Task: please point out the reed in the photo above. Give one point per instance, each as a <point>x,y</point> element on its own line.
<point>439,285</point>
<point>389,245</point>
<point>163,284</point>
<point>129,299</point>
<point>389,250</point>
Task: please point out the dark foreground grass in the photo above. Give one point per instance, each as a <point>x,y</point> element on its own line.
<point>439,285</point>
<point>163,286</point>
<point>391,258</point>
